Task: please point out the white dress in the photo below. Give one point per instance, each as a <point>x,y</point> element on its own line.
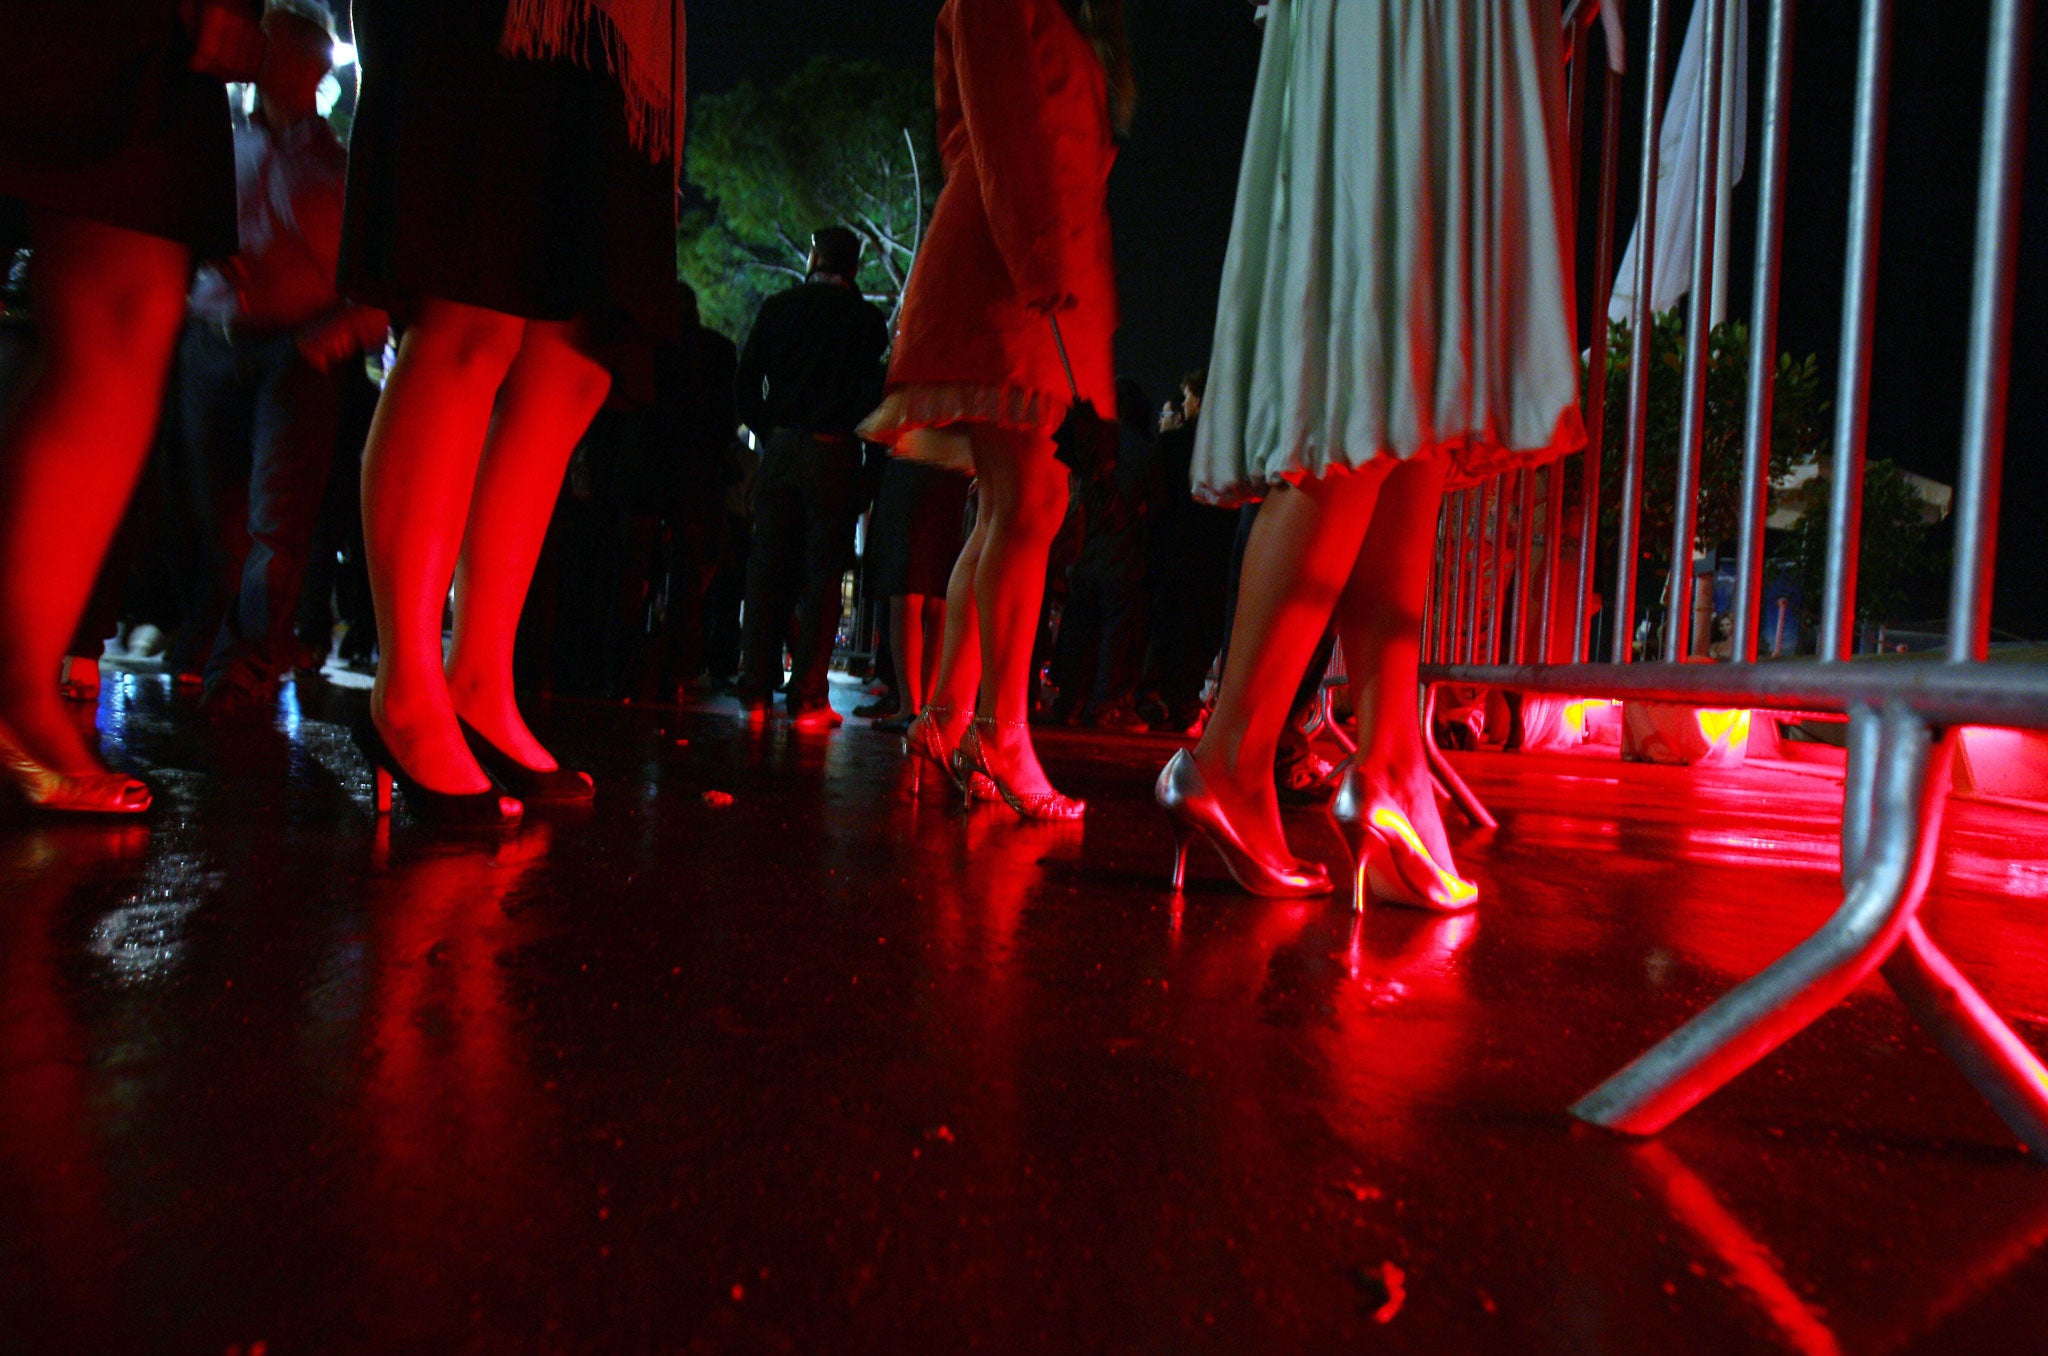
<point>1399,278</point>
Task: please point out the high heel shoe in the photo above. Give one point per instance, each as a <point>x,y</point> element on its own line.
<point>1388,856</point>
<point>556,786</point>
<point>921,742</point>
<point>91,793</point>
<point>970,758</point>
<point>479,809</point>
<point>1197,814</point>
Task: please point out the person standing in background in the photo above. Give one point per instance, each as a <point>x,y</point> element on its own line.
<point>812,366</point>
<point>258,397</point>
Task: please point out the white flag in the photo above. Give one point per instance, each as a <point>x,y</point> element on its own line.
<point>1678,157</point>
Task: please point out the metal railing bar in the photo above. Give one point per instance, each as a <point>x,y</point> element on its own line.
<point>1991,299</point>
<point>1639,329</point>
<point>1461,629</point>
<point>1518,637</point>
<point>1498,602</point>
<point>1699,324</point>
<point>1763,337</point>
<point>1859,307</point>
<point>1553,559</point>
<point>1596,377</point>
<point>2006,696</point>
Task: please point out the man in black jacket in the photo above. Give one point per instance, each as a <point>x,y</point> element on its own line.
<point>811,370</point>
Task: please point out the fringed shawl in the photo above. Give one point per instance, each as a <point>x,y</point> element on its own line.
<point>643,47</point>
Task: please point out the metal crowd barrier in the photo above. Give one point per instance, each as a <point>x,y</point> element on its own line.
<point>1903,718</point>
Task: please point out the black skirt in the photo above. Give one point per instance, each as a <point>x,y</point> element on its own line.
<point>99,118</point>
<point>917,529</point>
<point>506,184</point>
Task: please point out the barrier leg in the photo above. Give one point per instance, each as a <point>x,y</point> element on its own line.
<point>1903,822</point>
<point>2001,1066</point>
<point>1447,776</point>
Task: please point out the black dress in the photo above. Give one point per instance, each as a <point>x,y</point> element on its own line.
<point>917,529</point>
<point>101,119</point>
<point>500,183</point>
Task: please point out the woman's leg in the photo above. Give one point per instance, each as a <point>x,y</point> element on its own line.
<point>550,395</point>
<point>911,630</point>
<point>419,473</point>
<point>953,688</point>
<point>1024,498</point>
<point>109,304</point>
<point>931,627</point>
<point>1379,618</point>
<point>1301,555</point>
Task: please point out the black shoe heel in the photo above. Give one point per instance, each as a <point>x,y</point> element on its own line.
<point>477,809</point>
<point>557,786</point>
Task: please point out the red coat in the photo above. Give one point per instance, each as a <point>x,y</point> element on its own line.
<point>1021,227</point>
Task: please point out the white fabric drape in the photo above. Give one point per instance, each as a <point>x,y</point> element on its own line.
<point>1679,147</point>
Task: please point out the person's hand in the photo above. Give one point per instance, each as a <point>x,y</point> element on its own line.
<point>227,37</point>
<point>325,343</point>
<point>1055,305</point>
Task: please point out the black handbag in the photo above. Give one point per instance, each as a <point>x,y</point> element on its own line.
<point>1085,442</point>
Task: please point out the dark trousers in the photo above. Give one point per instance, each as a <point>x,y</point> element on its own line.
<point>724,597</point>
<point>806,502</point>
<point>259,425</point>
<point>657,640</point>
<point>1102,637</point>
<point>1190,604</point>
<point>337,586</point>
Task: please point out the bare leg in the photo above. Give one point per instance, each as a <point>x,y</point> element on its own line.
<point>1302,553</point>
<point>550,394</point>
<point>906,639</point>
<point>1024,497</point>
<point>109,304</point>
<point>954,687</point>
<point>931,628</point>
<point>419,473</point>
<point>1379,618</point>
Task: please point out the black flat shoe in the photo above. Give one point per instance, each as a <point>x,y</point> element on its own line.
<point>557,786</point>
<point>477,809</point>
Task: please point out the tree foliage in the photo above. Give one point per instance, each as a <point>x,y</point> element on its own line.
<point>1796,432</point>
<point>1893,555</point>
<point>839,143</point>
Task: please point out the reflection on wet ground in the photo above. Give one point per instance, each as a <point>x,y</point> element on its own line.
<point>829,1068</point>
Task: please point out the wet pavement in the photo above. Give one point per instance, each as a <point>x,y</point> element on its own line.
<point>831,1069</point>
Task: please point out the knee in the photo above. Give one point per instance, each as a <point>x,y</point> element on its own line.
<point>129,322</point>
<point>1039,502</point>
<point>586,384</point>
<point>468,340</point>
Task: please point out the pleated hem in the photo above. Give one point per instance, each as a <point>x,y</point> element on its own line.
<point>1471,459</point>
<point>922,422</point>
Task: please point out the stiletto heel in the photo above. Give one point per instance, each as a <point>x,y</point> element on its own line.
<point>557,786</point>
<point>1388,857</point>
<point>1184,836</point>
<point>480,809</point>
<point>92,793</point>
<point>1196,813</point>
<point>971,760</point>
<point>921,744</point>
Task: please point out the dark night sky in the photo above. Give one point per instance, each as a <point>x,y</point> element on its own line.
<point>1172,195</point>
